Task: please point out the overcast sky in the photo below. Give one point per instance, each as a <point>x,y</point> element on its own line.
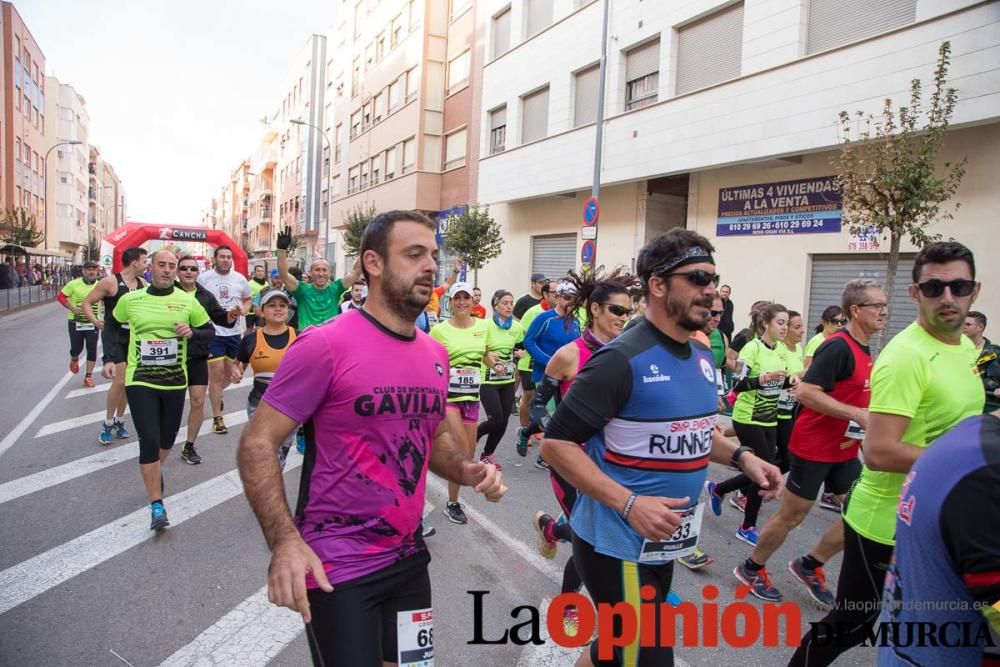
<point>175,89</point>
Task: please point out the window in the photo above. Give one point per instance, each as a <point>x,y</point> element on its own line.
<point>336,186</point>
<point>498,130</point>
<point>459,6</point>
<point>390,163</point>
<point>353,180</point>
<point>454,149</point>
<point>380,106</point>
<point>587,84</point>
<point>63,178</point>
<point>710,50</point>
<point>366,116</point>
<point>642,75</point>
<point>458,72</point>
<point>535,116</point>
<point>833,23</point>
<point>395,94</point>
<point>376,169</point>
<point>369,56</point>
<point>355,124</point>
<point>364,175</point>
<point>501,33</point>
<point>355,77</point>
<point>357,19</point>
<point>409,154</point>
<point>396,30</point>
<point>338,142</point>
<point>412,83</point>
<point>414,14</point>
<point>17,149</point>
<point>380,47</point>
<point>539,16</point>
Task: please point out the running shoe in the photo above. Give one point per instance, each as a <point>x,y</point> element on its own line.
<point>88,382</point>
<point>189,454</point>
<point>814,581</point>
<point>455,513</point>
<point>739,501</point>
<point>74,366</point>
<point>561,520</point>
<point>542,463</point>
<point>714,501</point>
<point>828,501</point>
<point>748,535</point>
<point>429,531</point>
<point>546,547</point>
<point>219,426</point>
<point>522,442</point>
<point>674,599</point>
<point>107,434</point>
<point>159,517</point>
<point>120,431</point>
<point>571,622</point>
<point>489,458</point>
<point>300,442</point>
<point>697,560</point>
<point>759,583</point>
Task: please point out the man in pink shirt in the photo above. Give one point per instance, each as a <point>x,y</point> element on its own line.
<point>352,561</point>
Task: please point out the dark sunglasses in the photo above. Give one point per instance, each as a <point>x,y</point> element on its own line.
<point>187,268</point>
<point>717,313</point>
<point>617,310</point>
<point>839,321</point>
<point>699,278</point>
<point>934,288</point>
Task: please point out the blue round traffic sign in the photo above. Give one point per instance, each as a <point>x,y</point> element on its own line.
<point>587,252</point>
<point>591,211</point>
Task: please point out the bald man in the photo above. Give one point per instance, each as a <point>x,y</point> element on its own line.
<point>319,300</point>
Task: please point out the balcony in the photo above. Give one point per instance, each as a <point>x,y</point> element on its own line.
<point>92,194</point>
<point>92,168</point>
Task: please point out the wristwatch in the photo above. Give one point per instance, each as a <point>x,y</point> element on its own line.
<point>735,460</point>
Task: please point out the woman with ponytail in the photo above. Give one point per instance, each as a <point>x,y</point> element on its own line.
<point>504,347</point>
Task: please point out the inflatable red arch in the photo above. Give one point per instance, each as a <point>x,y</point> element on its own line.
<point>133,234</point>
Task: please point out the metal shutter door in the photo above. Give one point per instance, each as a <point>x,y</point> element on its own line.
<point>831,272</point>
<point>535,124</point>
<point>833,23</point>
<point>585,105</point>
<point>710,50</point>
<point>501,33</point>
<point>553,255</point>
<point>539,16</point>
<point>642,60</point>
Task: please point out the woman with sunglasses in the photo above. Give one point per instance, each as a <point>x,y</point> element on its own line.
<point>755,416</point>
<point>504,348</point>
<point>832,320</point>
<point>606,305</point>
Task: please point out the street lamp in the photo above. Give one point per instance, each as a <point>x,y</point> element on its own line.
<point>329,173</point>
<point>45,185</point>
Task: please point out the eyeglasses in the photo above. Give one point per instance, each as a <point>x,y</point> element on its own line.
<point>839,321</point>
<point>699,278</point>
<point>934,288</point>
<point>876,306</point>
<point>617,310</point>
<point>717,313</point>
<point>187,268</point>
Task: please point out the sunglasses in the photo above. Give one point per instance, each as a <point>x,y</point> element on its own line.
<point>839,321</point>
<point>934,288</point>
<point>698,278</point>
<point>187,268</point>
<point>617,310</point>
<point>716,313</point>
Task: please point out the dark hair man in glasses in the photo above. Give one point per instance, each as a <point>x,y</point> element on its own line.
<point>922,384</point>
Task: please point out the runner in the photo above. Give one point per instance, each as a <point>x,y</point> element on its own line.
<point>791,348</point>
<point>318,301</point>
<point>504,347</point>
<point>197,353</point>
<point>356,300</point>
<point>945,565</point>
<point>824,444</point>
<point>233,292</point>
<point>535,294</point>
<point>477,306</point>
<point>258,281</point>
<point>744,336</point>
<point>638,310</point>
<point>988,363</point>
<point>114,338</point>
<point>464,337</point>
<point>646,383</point>
<point>82,330</point>
<point>755,415</point>
<point>526,364</point>
<point>832,320</point>
<point>162,320</point>
<point>439,305</point>
<point>719,344</point>
<point>726,323</point>
<point>923,383</point>
<point>263,349</point>
<point>353,558</point>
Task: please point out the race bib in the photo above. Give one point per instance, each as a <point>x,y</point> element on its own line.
<point>463,381</point>
<point>84,326</point>
<point>502,371</point>
<point>786,400</point>
<point>158,352</point>
<point>854,431</point>
<point>720,385</point>
<point>415,638</point>
<point>681,543</point>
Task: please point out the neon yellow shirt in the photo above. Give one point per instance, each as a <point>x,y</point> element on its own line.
<point>814,344</point>
<point>466,348</point>
<point>760,406</point>
<point>501,343</point>
<point>524,365</point>
<point>935,386</point>
<point>793,364</point>
<point>76,291</point>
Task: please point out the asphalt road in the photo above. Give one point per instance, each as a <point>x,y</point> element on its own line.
<point>82,580</point>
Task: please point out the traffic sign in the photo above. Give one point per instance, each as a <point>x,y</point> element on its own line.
<point>587,252</point>
<point>591,211</point>
<point>588,233</point>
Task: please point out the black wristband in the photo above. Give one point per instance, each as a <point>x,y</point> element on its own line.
<point>735,460</point>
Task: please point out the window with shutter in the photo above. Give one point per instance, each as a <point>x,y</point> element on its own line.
<point>458,72</point>
<point>833,23</point>
<point>501,33</point>
<point>642,75</point>
<point>409,155</point>
<point>539,16</point>
<point>498,130</point>
<point>710,50</point>
<point>454,150</point>
<point>587,89</point>
<point>535,120</point>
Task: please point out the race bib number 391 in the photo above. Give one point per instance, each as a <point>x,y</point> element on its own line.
<point>415,638</point>
<point>158,352</point>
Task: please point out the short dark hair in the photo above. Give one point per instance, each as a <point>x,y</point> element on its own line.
<point>220,248</point>
<point>547,287</point>
<point>943,252</point>
<point>132,254</point>
<point>376,236</point>
<point>188,258</point>
<point>498,295</point>
<point>977,316</point>
<point>667,247</point>
<point>829,313</point>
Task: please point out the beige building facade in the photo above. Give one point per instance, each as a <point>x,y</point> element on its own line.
<point>70,189</point>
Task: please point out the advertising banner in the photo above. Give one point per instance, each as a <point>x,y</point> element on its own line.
<point>803,206</point>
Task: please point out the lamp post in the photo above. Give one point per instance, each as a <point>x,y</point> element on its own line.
<point>329,173</point>
<point>45,186</point>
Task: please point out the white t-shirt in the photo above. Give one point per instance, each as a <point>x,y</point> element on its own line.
<point>348,305</point>
<point>229,289</point>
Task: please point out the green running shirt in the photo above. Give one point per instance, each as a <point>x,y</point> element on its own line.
<point>501,343</point>
<point>814,344</point>
<point>760,406</point>
<point>317,306</point>
<point>932,383</point>
<point>524,365</point>
<point>76,291</point>
<point>466,348</point>
<point>157,358</point>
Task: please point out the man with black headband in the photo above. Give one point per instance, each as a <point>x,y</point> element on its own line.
<point>645,407</point>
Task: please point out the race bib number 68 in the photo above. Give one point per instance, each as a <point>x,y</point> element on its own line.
<point>415,638</point>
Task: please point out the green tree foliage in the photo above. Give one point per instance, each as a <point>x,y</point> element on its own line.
<point>355,222</point>
<point>475,236</point>
<point>19,228</point>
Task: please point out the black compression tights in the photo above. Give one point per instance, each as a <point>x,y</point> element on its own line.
<point>762,440</point>
<point>498,402</point>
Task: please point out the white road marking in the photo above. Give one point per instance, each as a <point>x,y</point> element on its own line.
<point>104,458</point>
<point>76,393</point>
<point>30,578</point>
<point>29,418</point>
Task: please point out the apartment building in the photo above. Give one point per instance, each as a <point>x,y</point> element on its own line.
<point>402,106</point>
<point>71,171</point>
<point>708,105</point>
<point>22,121</point>
<point>110,199</point>
<point>261,230</point>
<point>232,214</point>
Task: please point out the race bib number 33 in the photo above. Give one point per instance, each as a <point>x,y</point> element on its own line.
<point>681,543</point>
<point>415,638</point>
<point>158,352</point>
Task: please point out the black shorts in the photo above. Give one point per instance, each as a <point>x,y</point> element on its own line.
<point>80,339</point>
<point>115,342</point>
<point>197,372</point>
<point>527,384</point>
<point>806,477</point>
<point>356,623</point>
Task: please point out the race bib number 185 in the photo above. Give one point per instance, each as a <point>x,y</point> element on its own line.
<point>415,638</point>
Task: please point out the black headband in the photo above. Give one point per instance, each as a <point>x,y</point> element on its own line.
<point>695,255</point>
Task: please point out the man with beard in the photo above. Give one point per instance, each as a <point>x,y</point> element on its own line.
<point>645,408</point>
<point>318,301</point>
<point>353,561</point>
<point>923,383</point>
<point>82,332</point>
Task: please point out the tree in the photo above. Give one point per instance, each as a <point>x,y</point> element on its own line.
<point>19,228</point>
<point>355,223</point>
<point>888,172</point>
<point>474,236</point>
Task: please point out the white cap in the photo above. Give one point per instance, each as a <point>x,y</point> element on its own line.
<point>273,294</point>
<point>459,287</point>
